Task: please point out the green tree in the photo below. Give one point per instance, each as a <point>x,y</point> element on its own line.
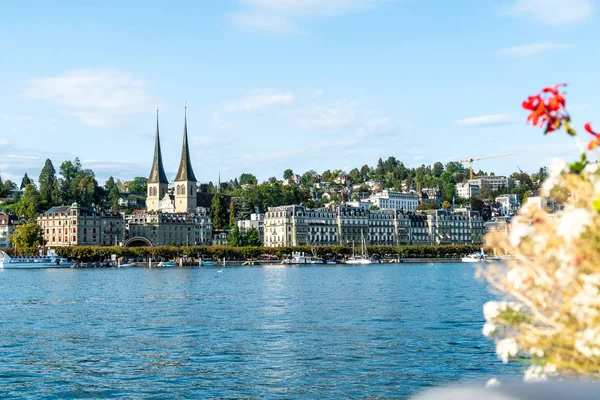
<point>25,181</point>
<point>232,221</point>
<point>9,186</point>
<point>287,174</point>
<point>218,212</point>
<point>247,179</point>
<point>438,169</point>
<point>47,183</point>
<point>29,205</point>
<point>2,194</point>
<point>446,205</point>
<point>68,171</point>
<point>113,193</point>
<point>138,185</point>
<point>27,236</point>
<point>307,178</point>
<point>327,176</point>
<point>253,237</point>
<point>235,239</point>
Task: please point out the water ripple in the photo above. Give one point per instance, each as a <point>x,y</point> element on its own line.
<point>318,332</point>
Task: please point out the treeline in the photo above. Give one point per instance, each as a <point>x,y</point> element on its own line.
<point>392,173</point>
<point>95,253</point>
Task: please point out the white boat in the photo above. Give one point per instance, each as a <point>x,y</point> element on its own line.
<point>50,260</point>
<point>362,259</point>
<point>473,258</point>
<point>300,258</point>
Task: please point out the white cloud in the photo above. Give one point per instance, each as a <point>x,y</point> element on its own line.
<point>99,97</point>
<point>260,100</point>
<point>553,12</point>
<point>201,140</point>
<point>3,141</point>
<point>485,120</point>
<point>533,49</point>
<point>266,23</point>
<point>284,16</point>
<point>16,118</point>
<point>342,116</point>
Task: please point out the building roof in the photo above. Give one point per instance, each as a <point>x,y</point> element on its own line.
<point>186,172</point>
<point>157,174</point>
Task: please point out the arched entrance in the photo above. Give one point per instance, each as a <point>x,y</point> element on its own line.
<point>137,241</point>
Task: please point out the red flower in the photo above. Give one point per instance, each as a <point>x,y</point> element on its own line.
<point>595,142</point>
<point>547,109</point>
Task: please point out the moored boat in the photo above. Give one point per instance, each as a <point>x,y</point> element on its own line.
<point>300,258</point>
<point>50,260</point>
<point>473,258</point>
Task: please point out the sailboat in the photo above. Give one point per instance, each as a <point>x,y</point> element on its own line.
<point>363,259</point>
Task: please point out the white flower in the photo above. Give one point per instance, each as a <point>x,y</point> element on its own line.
<point>534,351</point>
<point>573,223</point>
<point>556,167</point>
<point>518,231</point>
<point>492,309</point>
<point>506,348</point>
<point>591,169</point>
<point>515,278</point>
<point>535,373</point>
<point>492,383</point>
<point>591,279</point>
<point>548,185</point>
<point>488,329</point>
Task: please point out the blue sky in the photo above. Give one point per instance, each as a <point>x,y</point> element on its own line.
<point>301,84</point>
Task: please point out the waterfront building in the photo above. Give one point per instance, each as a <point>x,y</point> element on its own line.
<point>467,190</point>
<point>296,226</point>
<point>8,223</point>
<point>402,228</point>
<point>220,238</point>
<point>347,226</point>
<point>447,228</point>
<point>382,228</point>
<point>509,204</point>
<point>419,232</point>
<point>392,200</point>
<point>256,221</point>
<point>179,229</point>
<point>353,225</point>
<point>74,225</point>
<point>494,182</point>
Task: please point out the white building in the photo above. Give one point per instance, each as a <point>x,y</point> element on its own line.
<point>467,190</point>
<point>542,202</point>
<point>7,227</point>
<point>510,204</point>
<point>256,221</point>
<point>494,182</point>
<point>391,200</point>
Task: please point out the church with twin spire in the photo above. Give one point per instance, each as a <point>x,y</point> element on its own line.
<point>183,198</point>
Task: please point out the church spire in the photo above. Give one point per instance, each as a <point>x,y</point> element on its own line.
<point>157,175</point>
<point>185,173</point>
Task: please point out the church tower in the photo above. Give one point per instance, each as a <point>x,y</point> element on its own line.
<point>186,188</point>
<point>157,182</point>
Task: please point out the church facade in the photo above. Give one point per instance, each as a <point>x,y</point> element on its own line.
<point>172,215</point>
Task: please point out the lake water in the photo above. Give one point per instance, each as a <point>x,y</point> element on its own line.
<point>381,331</point>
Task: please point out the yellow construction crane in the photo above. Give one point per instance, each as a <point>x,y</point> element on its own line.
<point>470,161</point>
